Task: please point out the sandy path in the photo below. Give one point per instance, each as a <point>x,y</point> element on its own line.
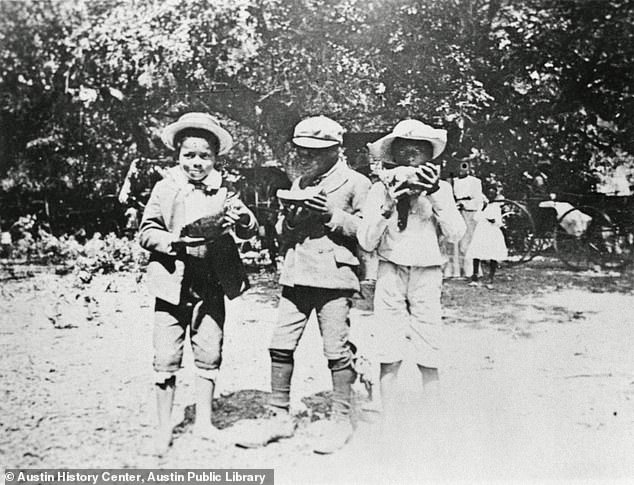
<point>538,385</point>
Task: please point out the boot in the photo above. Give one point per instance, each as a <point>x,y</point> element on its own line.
<point>255,433</point>
<point>333,434</point>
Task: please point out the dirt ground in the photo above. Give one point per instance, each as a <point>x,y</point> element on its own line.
<point>538,384</point>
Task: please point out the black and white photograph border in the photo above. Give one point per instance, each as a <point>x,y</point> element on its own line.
<point>536,383</point>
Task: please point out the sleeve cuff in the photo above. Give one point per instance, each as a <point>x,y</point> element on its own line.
<point>168,244</point>
<point>440,199</point>
<point>338,217</point>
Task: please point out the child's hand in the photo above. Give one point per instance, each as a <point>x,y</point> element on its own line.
<point>319,203</point>
<point>296,215</point>
<point>235,215</point>
<point>394,193</point>
<point>399,190</point>
<point>429,176</point>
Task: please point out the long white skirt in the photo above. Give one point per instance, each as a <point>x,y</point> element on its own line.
<point>487,243</point>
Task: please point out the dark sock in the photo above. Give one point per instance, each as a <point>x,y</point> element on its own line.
<point>282,364</point>
<point>492,268</point>
<point>169,382</point>
<point>476,269</point>
<point>342,380</point>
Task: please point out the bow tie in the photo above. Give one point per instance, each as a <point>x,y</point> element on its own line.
<point>198,185</point>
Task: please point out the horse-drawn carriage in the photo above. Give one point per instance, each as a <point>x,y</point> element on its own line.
<point>584,231</point>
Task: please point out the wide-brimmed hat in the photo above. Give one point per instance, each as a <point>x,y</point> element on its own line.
<point>410,130</point>
<point>318,132</point>
<point>202,121</point>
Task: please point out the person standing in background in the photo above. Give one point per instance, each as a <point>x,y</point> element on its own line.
<point>6,242</point>
<point>487,243</point>
<point>469,197</point>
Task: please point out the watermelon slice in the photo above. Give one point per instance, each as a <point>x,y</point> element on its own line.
<point>297,196</point>
<point>208,227</point>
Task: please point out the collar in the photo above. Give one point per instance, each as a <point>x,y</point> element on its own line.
<point>212,181</point>
<point>337,166</point>
<point>335,177</point>
<point>332,179</point>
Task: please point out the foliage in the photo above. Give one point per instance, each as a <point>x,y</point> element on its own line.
<point>563,74</point>
<point>109,254</point>
<point>98,255</point>
<point>86,86</point>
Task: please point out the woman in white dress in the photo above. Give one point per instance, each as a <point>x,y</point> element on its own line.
<point>487,243</point>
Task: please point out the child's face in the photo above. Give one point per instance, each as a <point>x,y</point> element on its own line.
<point>196,157</point>
<point>411,153</point>
<point>314,162</point>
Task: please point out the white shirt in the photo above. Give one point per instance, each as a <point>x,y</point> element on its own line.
<point>417,244</point>
<point>468,192</point>
<point>197,203</point>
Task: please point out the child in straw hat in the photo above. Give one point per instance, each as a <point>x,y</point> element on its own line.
<point>194,263</point>
<point>402,219</point>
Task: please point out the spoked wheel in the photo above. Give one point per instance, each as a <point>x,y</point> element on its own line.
<point>519,231</point>
<point>586,238</point>
<point>625,239</point>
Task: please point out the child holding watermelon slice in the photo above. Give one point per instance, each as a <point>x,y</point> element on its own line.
<point>403,218</point>
<point>194,263</point>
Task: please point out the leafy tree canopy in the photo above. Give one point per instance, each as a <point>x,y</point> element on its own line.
<point>86,85</point>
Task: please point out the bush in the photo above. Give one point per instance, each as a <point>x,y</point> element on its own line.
<point>108,255</point>
<point>99,255</point>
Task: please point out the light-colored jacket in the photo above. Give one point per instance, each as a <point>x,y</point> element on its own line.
<point>174,203</point>
<point>328,260</point>
<point>468,193</point>
<point>417,244</point>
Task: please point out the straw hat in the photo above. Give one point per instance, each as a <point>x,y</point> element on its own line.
<point>410,130</point>
<point>201,121</point>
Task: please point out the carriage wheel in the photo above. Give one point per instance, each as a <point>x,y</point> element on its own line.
<point>625,243</point>
<point>519,231</point>
<point>585,244</point>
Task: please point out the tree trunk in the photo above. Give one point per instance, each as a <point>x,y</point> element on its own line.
<point>275,120</point>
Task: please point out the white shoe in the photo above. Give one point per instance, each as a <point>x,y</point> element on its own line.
<point>211,433</point>
<point>255,433</point>
<point>332,435</point>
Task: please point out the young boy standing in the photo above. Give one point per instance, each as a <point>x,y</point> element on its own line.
<point>402,222</point>
<point>318,274</point>
<point>189,276</point>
